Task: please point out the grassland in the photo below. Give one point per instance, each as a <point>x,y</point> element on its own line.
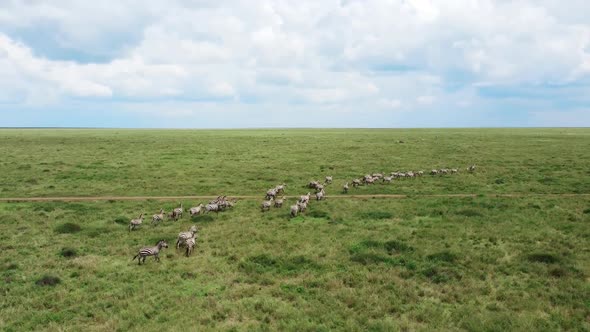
<point>419,263</point>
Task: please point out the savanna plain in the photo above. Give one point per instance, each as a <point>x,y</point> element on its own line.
<point>514,255</point>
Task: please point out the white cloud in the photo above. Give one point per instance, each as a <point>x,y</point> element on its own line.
<point>342,54</point>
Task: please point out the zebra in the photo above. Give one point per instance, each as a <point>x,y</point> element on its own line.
<point>471,168</point>
<point>319,188</point>
<point>454,171</point>
<point>156,218</point>
<point>197,210</point>
<point>420,173</point>
<point>212,207</point>
<point>387,179</point>
<point>304,198</point>
<point>313,184</point>
<point>356,183</point>
<point>345,188</point>
<point>294,210</point>
<point>183,236</point>
<point>433,172</point>
<point>265,206</point>
<point>280,188</point>
<point>302,206</point>
<point>271,193</point>
<point>134,223</point>
<point>178,212</point>
<point>150,251</point>
<point>279,202</point>
<point>190,245</point>
<point>328,179</point>
<point>320,195</point>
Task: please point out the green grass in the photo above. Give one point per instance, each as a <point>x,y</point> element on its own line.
<point>185,162</point>
<point>419,263</point>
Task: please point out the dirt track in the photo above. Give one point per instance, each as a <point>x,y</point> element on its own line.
<point>260,197</point>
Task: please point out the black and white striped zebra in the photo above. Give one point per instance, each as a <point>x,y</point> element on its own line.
<point>183,236</point>
<point>190,245</point>
<point>134,223</point>
<point>178,212</point>
<point>156,218</point>
<point>150,251</point>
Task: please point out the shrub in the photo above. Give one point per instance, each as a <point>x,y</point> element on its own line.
<point>443,256</point>
<point>67,228</point>
<point>543,258</point>
<point>121,220</point>
<point>319,214</point>
<point>68,252</point>
<point>397,246</point>
<point>48,280</point>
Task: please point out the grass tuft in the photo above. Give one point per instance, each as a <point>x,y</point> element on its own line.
<point>122,220</point>
<point>68,252</point>
<point>48,280</point>
<point>67,228</point>
<point>443,256</point>
<point>543,258</point>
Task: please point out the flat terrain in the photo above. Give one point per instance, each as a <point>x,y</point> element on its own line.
<point>422,261</point>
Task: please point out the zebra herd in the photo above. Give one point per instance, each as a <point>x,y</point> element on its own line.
<point>187,239</point>
<point>301,204</point>
<point>221,203</point>
<point>373,178</point>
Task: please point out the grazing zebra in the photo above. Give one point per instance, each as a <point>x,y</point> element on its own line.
<point>183,236</point>
<point>150,251</point>
<point>134,223</point>
<point>279,202</point>
<point>197,210</point>
<point>377,176</point>
<point>190,245</point>
<point>156,218</point>
<point>433,172</point>
<point>387,179</point>
<point>356,183</point>
<point>454,171</point>
<point>328,179</point>
<point>420,173</point>
<point>265,206</point>
<point>178,212</point>
<point>320,195</point>
<point>345,188</point>
<point>319,188</point>
<point>471,168</point>
<point>443,171</point>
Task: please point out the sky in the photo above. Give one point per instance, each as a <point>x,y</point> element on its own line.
<point>304,63</point>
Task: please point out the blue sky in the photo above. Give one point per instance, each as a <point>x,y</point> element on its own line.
<point>276,63</point>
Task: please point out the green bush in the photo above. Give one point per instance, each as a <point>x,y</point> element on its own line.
<point>67,228</point>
